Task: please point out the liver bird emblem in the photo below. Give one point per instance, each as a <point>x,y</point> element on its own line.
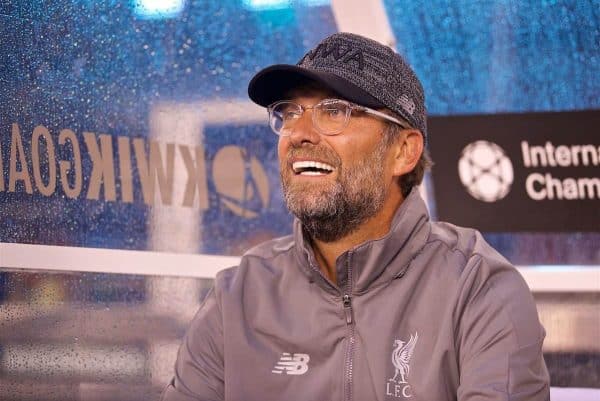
<point>401,357</point>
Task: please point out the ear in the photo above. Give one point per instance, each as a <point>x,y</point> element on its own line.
<point>408,150</point>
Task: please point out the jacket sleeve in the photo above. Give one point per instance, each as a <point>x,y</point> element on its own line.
<point>199,365</point>
<point>499,336</point>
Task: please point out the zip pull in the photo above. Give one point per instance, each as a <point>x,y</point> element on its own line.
<point>347,308</point>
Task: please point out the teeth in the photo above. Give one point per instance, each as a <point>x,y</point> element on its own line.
<point>303,165</point>
<point>311,173</point>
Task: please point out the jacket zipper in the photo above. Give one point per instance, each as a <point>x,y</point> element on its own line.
<point>347,302</point>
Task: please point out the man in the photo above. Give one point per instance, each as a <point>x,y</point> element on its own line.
<point>368,299</point>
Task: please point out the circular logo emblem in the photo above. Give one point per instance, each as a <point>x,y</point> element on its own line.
<point>240,181</point>
<point>485,171</point>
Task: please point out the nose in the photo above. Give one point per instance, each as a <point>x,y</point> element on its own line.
<point>304,131</point>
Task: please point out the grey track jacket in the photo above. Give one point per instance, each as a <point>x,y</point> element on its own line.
<point>429,312</point>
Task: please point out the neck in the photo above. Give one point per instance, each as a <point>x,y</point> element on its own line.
<point>326,253</point>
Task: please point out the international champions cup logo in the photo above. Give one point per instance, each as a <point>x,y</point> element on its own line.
<point>485,171</point>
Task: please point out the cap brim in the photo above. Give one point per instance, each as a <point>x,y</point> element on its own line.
<point>272,83</point>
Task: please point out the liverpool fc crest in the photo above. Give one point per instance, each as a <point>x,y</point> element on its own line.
<point>401,360</point>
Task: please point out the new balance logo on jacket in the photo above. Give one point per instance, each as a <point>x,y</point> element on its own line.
<point>296,364</point>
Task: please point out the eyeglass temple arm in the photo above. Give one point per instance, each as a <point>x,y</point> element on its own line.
<point>384,116</point>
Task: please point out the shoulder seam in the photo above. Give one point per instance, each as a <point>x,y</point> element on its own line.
<point>451,249</point>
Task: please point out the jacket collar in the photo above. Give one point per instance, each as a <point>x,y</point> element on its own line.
<point>374,261</point>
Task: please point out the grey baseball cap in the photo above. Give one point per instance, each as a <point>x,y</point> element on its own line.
<point>359,69</point>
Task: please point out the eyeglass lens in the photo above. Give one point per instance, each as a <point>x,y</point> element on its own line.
<point>329,116</point>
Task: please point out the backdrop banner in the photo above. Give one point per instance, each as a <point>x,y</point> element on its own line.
<point>518,172</point>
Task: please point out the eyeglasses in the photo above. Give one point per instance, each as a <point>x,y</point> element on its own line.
<point>329,116</point>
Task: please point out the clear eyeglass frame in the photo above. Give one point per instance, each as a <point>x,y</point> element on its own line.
<point>326,124</point>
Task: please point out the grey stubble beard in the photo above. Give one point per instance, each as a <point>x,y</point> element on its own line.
<point>333,212</point>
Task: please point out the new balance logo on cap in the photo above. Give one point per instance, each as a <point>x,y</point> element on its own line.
<point>406,103</point>
<point>296,364</point>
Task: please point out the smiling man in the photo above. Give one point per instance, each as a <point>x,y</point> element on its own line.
<point>368,299</point>
<point>341,187</point>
